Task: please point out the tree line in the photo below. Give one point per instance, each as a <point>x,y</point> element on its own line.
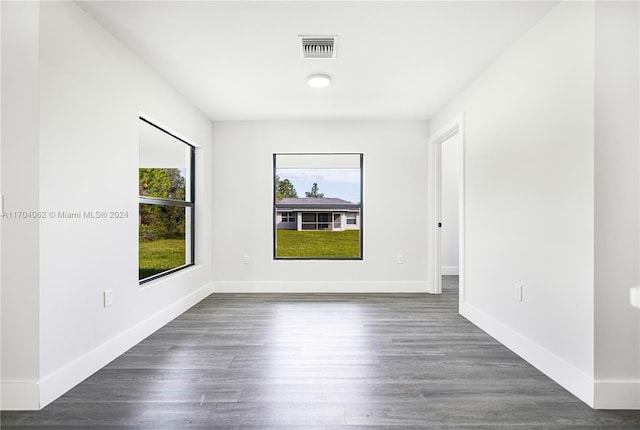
<point>161,221</point>
<point>286,190</point>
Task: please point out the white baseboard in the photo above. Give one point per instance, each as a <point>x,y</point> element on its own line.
<point>564,373</point>
<point>617,395</point>
<point>449,270</point>
<point>320,287</point>
<point>62,380</point>
<point>19,396</point>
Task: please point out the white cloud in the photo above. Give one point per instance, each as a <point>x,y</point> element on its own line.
<point>349,176</point>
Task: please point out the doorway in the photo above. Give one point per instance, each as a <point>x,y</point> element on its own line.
<point>449,206</point>
<point>446,205</point>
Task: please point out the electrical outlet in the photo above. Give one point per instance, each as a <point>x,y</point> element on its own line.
<point>245,259</point>
<point>517,292</point>
<point>400,259</point>
<point>107,298</point>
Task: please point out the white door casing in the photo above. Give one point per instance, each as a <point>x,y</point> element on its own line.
<point>456,126</point>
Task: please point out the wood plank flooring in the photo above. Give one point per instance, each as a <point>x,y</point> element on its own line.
<point>320,361</point>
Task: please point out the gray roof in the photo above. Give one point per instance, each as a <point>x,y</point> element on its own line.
<point>325,203</point>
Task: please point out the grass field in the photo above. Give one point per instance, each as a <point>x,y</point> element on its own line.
<point>159,255</point>
<point>318,244</point>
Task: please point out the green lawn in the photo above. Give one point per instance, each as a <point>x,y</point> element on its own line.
<point>318,244</point>
<point>160,255</point>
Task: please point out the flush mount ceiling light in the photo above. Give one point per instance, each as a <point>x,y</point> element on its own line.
<point>319,81</point>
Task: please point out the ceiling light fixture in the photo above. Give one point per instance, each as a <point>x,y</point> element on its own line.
<point>319,81</point>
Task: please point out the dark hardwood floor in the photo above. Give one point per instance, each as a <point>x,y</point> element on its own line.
<point>320,361</point>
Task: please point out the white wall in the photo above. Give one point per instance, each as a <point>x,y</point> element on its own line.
<point>91,92</point>
<point>617,137</point>
<point>394,185</point>
<point>529,196</point>
<point>449,205</point>
<point>20,188</point>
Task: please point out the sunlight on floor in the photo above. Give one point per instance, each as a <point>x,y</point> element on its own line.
<point>321,345</point>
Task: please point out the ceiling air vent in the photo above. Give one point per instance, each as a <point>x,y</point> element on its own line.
<point>318,46</point>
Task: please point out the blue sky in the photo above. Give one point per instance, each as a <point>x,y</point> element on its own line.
<point>341,183</point>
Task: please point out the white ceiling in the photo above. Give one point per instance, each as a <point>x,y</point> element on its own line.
<point>240,60</point>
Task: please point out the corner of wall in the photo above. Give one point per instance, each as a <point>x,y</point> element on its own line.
<point>564,373</point>
<point>20,241</point>
<point>617,395</point>
<point>62,380</point>
<point>19,396</point>
<point>617,204</point>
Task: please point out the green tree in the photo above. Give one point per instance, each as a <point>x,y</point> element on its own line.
<point>161,221</point>
<point>314,192</point>
<point>177,190</point>
<point>284,189</point>
<point>154,183</point>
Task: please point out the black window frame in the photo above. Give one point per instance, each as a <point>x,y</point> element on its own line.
<point>187,203</point>
<point>276,210</point>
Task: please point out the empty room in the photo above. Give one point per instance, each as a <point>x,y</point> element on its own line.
<point>320,214</point>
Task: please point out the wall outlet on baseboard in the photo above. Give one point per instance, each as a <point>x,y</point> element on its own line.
<point>400,259</point>
<point>245,259</point>
<point>517,292</point>
<point>107,298</point>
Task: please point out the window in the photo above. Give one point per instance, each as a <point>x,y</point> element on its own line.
<point>316,221</point>
<point>326,191</point>
<point>166,203</point>
<point>288,216</point>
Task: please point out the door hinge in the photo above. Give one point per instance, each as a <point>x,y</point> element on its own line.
<point>439,224</point>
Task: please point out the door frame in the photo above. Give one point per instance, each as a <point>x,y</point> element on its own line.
<point>333,221</point>
<point>434,175</point>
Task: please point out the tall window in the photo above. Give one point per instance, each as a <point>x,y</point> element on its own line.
<point>166,209</point>
<point>317,206</point>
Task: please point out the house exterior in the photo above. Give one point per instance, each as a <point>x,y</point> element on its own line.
<point>330,214</point>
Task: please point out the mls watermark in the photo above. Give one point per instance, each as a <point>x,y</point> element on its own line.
<point>65,215</point>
